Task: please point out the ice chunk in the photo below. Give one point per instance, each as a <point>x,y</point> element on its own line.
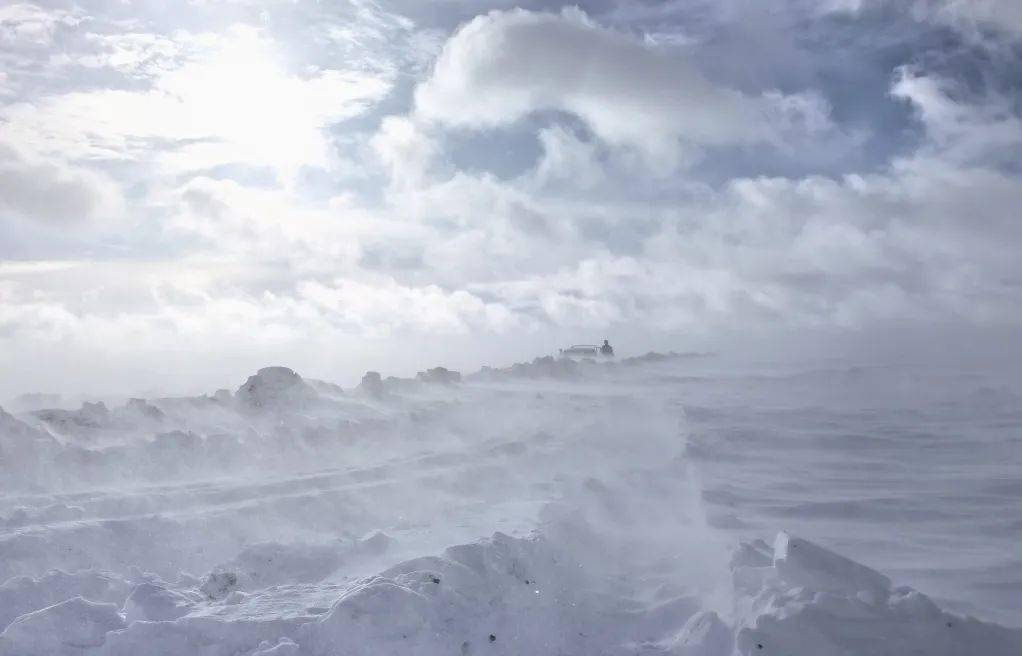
<point>703,635</point>
<point>800,562</point>
<point>374,543</point>
<point>814,602</point>
<point>219,584</point>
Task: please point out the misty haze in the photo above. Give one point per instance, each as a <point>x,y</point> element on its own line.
<point>472,327</point>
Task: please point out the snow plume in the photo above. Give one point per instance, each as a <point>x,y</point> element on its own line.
<point>620,509</point>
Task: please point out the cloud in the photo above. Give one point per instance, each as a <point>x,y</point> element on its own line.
<point>53,193</point>
<point>137,55</point>
<point>927,237</point>
<point>211,305</point>
<point>568,159</point>
<point>383,307</point>
<point>969,16</point>
<point>503,66</point>
<point>984,129</point>
<point>28,24</point>
<point>405,149</point>
<point>232,102</point>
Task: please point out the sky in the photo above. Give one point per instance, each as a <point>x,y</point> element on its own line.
<point>192,190</point>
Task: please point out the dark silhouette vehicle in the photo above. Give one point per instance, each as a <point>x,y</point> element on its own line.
<point>588,351</point>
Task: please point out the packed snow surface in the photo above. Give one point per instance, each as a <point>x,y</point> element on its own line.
<point>666,504</point>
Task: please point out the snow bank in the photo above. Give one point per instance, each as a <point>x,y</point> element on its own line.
<point>508,595</point>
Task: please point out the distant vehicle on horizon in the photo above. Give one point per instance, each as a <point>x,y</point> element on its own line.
<point>588,351</point>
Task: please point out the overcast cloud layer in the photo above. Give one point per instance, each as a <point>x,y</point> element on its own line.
<point>205,187</point>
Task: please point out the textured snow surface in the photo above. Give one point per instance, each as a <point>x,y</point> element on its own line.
<point>660,505</point>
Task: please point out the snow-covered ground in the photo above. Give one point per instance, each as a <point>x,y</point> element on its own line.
<point>662,505</point>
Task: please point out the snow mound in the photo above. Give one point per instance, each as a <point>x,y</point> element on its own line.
<point>272,563</point>
<point>371,385</point>
<point>502,595</point>
<point>544,367</point>
<point>150,602</point>
<point>144,409</point>
<point>24,594</point>
<point>65,628</point>
<point>373,544</point>
<point>24,450</point>
<point>276,388</point>
<point>517,596</point>
<point>441,375</point>
<point>12,428</point>
<point>704,634</point>
<point>89,416</point>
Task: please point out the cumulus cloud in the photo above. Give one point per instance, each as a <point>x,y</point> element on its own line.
<point>503,66</point>
<point>900,243</point>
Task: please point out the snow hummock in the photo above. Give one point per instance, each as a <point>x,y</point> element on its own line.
<point>274,388</point>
